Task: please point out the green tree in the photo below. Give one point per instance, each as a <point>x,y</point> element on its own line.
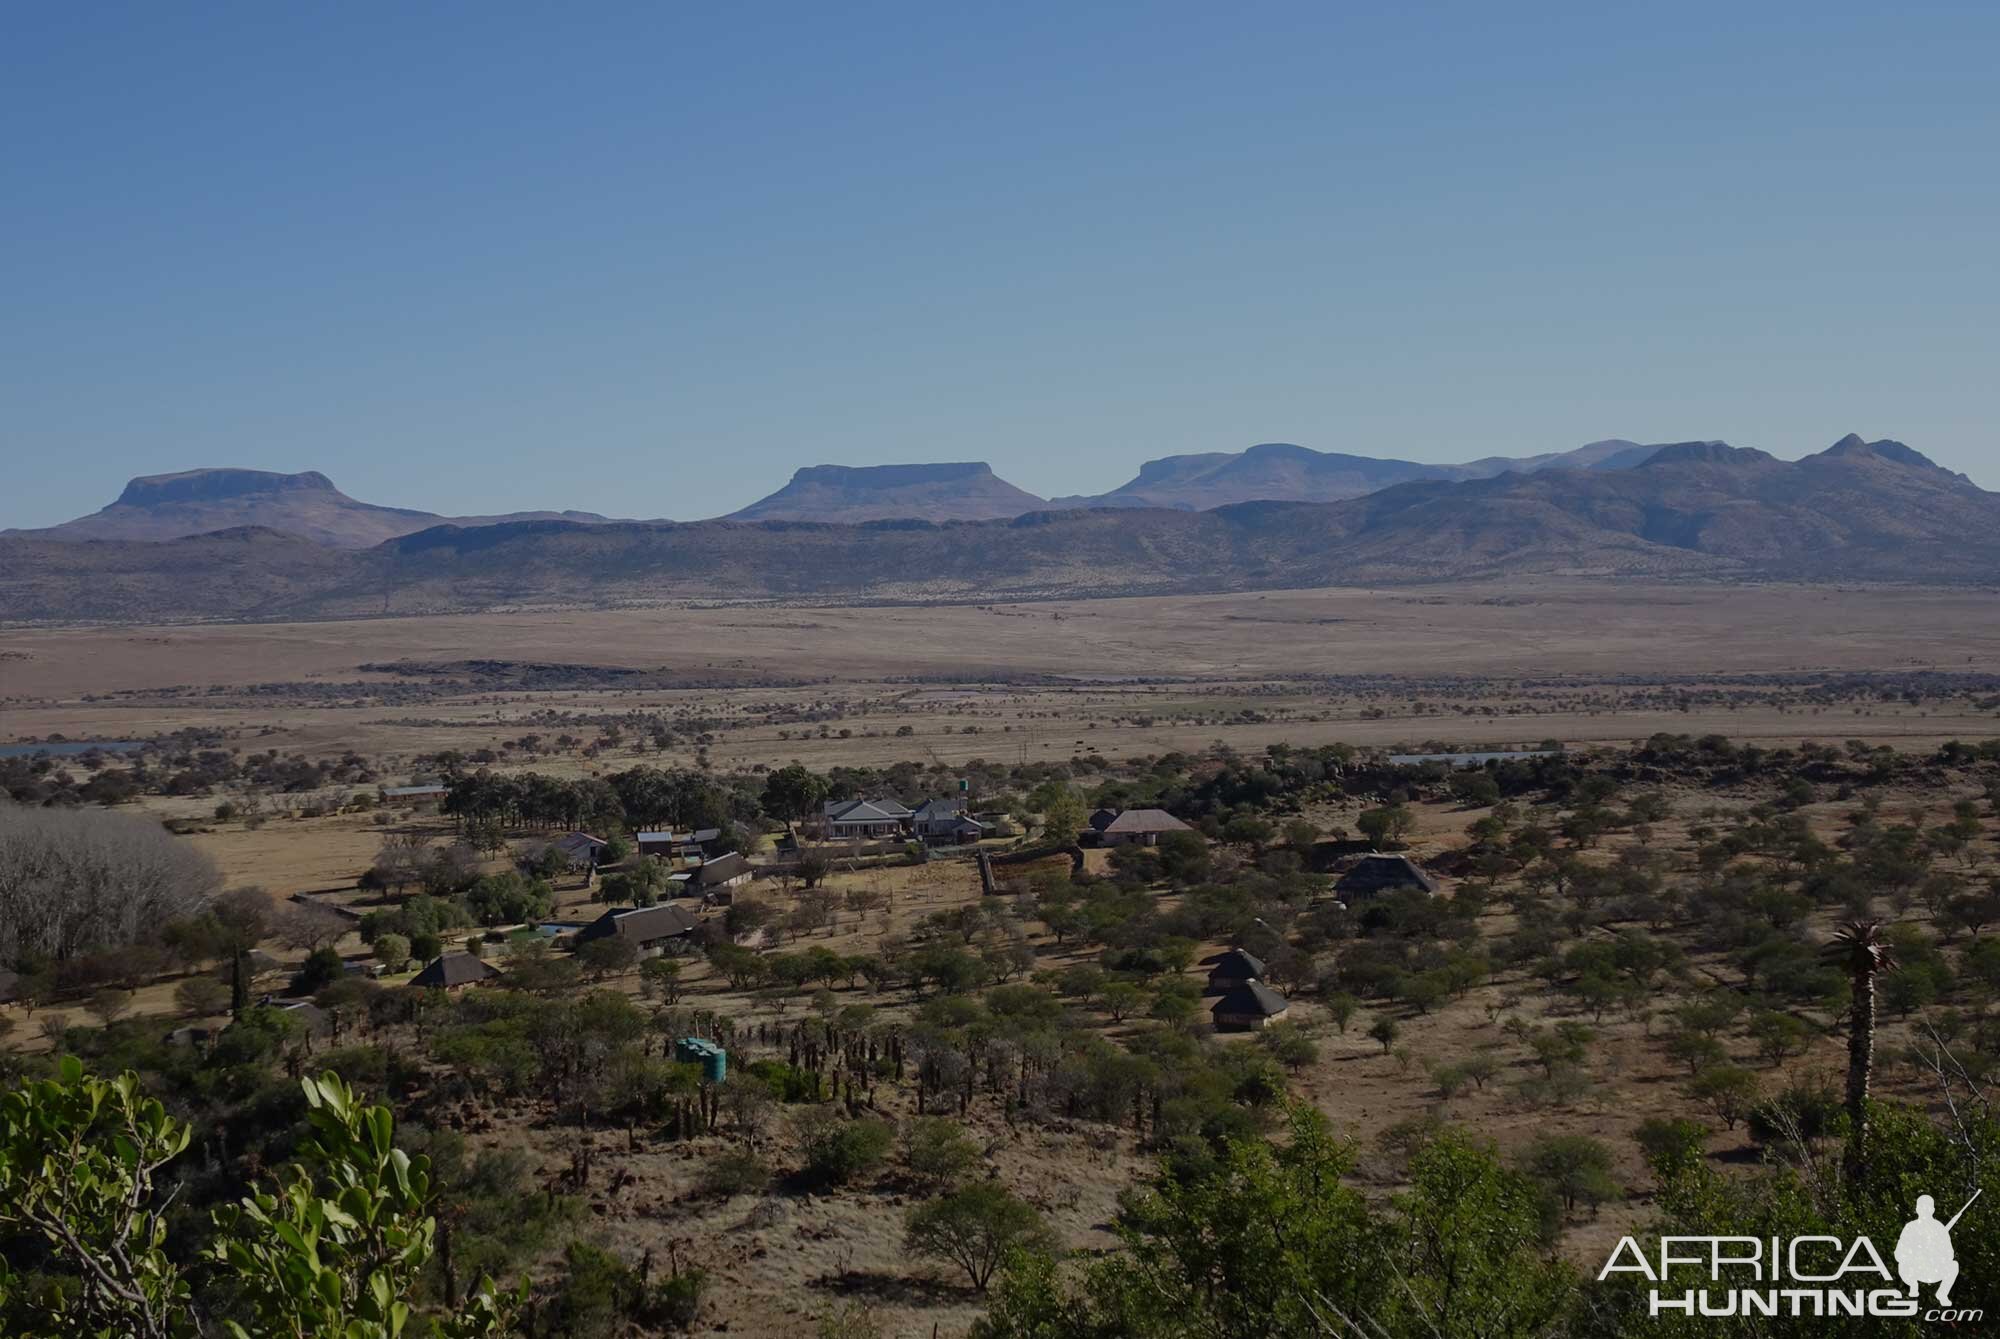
<point>938,1151</point>
<point>1267,1239</point>
<point>1573,1167</point>
<point>793,793</point>
<point>1386,826</point>
<point>974,1227</point>
<point>1063,814</point>
<point>1730,1091</point>
<point>392,951</point>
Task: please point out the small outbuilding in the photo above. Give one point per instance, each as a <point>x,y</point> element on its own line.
<point>716,880</point>
<point>1375,874</point>
<point>581,852</point>
<point>10,986</point>
<point>1248,1007</point>
<point>1233,968</point>
<point>428,790</point>
<point>454,971</point>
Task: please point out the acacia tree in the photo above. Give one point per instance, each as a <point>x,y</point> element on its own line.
<point>974,1227</point>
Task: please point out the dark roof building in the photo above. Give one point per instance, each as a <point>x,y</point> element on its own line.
<point>644,926</point>
<point>10,986</point>
<point>452,971</point>
<point>1234,968</point>
<point>1250,1005</point>
<point>1375,874</point>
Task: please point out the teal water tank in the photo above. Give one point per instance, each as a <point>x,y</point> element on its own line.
<point>714,1061</point>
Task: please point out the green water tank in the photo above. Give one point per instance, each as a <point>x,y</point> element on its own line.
<point>714,1061</point>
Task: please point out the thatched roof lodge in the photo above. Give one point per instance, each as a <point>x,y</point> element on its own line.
<point>1233,968</point>
<point>1375,874</point>
<point>1249,1006</point>
<point>453,971</point>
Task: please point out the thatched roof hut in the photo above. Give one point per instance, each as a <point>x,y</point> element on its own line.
<point>1250,1005</point>
<point>1233,968</point>
<point>1375,874</point>
<point>452,971</point>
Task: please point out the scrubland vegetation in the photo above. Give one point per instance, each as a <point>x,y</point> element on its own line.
<point>1683,985</point>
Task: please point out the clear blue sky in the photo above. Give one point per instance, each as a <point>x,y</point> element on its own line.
<point>649,259</point>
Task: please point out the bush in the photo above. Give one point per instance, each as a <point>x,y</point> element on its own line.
<point>737,1172</point>
<point>1671,1143</point>
<point>199,996</point>
<point>675,1303</point>
<point>839,1151</point>
<point>938,1151</point>
<point>321,968</point>
<point>393,951</point>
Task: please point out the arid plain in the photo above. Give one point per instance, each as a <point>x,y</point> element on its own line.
<point>1479,663</point>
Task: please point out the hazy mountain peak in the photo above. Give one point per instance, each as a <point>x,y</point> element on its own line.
<point>963,490</point>
<point>893,476</point>
<point>1708,453</point>
<point>1853,445</point>
<point>256,504</point>
<point>152,490</point>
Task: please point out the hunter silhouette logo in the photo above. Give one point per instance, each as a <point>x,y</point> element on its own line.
<point>1923,1252</point>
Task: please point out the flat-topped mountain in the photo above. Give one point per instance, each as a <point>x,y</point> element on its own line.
<point>958,491</point>
<point>307,505</point>
<point>1863,511</point>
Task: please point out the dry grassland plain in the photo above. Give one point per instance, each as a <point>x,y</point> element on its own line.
<point>1517,663</point>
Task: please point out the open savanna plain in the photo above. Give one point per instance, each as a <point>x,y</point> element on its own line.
<point>1631,936</point>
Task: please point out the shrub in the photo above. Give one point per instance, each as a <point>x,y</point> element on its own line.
<point>736,1172</point>
<point>938,1151</point>
<point>675,1303</point>
<point>321,968</point>
<point>839,1151</point>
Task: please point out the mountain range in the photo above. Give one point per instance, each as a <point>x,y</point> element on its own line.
<point>197,502</point>
<point>1860,510</point>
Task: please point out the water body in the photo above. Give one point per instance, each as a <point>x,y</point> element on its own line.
<point>70,748</point>
<point>1466,759</point>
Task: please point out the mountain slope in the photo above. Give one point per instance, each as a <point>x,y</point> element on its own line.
<point>1874,511</point>
<point>194,502</point>
<point>963,491</point>
<point>1283,472</point>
